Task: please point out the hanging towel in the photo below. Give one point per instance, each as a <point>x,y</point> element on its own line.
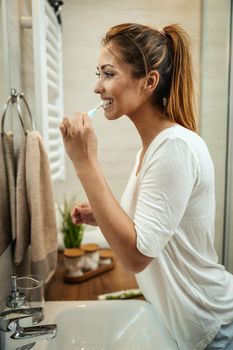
<point>11,177</point>
<point>34,185</point>
<point>23,227</point>
<point>6,185</point>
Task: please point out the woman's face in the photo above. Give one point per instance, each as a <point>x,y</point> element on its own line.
<point>120,93</point>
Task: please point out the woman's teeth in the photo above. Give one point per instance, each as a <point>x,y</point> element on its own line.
<point>107,102</point>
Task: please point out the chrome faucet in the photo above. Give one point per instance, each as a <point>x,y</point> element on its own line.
<point>19,330</point>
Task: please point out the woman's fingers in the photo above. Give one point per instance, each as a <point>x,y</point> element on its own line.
<point>72,126</point>
<point>63,129</point>
<point>79,139</point>
<point>86,119</point>
<point>65,126</point>
<point>68,123</point>
<point>80,209</point>
<point>78,121</point>
<point>76,213</point>
<point>82,214</point>
<point>76,217</point>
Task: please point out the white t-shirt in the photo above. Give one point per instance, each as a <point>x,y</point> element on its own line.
<point>172,204</point>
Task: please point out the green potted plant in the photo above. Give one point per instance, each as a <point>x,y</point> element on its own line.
<point>72,233</point>
<point>72,237</point>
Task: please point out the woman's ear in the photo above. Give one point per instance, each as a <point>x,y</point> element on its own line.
<point>152,80</point>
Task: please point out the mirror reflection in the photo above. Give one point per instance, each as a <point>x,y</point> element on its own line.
<point>87,240</point>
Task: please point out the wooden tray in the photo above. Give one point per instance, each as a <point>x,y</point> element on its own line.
<point>90,274</point>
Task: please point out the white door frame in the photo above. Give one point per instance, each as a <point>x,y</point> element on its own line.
<point>228,220</point>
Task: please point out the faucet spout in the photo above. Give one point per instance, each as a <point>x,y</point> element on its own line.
<point>9,317</point>
<point>23,337</point>
<point>16,330</point>
<point>47,331</point>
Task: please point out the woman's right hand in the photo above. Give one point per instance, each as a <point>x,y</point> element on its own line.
<point>82,214</point>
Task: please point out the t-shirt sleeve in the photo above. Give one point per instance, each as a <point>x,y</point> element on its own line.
<point>167,179</point>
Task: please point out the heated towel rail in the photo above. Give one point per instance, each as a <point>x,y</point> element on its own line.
<point>47,53</point>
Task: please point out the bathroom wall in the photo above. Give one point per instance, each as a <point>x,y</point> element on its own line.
<point>84,24</point>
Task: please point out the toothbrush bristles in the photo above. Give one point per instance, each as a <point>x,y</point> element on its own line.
<point>101,105</point>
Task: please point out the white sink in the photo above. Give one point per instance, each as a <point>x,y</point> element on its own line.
<point>104,325</point>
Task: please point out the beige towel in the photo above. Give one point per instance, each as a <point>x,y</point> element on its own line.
<point>33,165</point>
<point>6,183</point>
<point>23,233</point>
<point>11,176</point>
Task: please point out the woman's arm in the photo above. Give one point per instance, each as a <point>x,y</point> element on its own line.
<point>117,227</point>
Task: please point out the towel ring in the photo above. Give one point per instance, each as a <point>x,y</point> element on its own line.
<point>15,98</point>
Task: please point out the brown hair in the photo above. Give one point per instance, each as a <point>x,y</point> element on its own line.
<point>168,52</point>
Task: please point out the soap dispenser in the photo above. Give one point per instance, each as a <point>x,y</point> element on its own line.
<point>16,299</point>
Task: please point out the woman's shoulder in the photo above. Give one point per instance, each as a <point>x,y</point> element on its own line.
<point>177,134</point>
<point>175,142</point>
<point>191,139</point>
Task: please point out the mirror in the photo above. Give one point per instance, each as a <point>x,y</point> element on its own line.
<point>80,52</point>
<point>83,25</point>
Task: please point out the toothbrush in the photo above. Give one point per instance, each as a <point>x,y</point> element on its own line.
<point>92,112</point>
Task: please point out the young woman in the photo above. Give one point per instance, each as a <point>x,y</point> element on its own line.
<point>163,231</point>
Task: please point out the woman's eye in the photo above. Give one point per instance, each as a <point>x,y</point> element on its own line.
<point>108,75</point>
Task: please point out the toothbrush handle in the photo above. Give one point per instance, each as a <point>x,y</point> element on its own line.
<point>92,112</point>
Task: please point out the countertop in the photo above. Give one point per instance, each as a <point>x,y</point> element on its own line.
<point>110,281</point>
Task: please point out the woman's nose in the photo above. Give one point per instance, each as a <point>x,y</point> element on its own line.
<point>98,87</point>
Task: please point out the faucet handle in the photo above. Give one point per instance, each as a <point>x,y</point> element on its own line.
<point>9,317</point>
<point>16,298</point>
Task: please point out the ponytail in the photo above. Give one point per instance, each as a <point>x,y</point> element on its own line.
<point>180,105</point>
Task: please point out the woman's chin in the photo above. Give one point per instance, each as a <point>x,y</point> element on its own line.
<point>111,115</point>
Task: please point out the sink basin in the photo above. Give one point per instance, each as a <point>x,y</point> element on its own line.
<point>104,325</point>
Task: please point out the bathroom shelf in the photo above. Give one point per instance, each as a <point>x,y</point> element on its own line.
<point>90,274</point>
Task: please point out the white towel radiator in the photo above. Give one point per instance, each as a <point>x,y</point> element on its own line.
<point>47,52</point>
